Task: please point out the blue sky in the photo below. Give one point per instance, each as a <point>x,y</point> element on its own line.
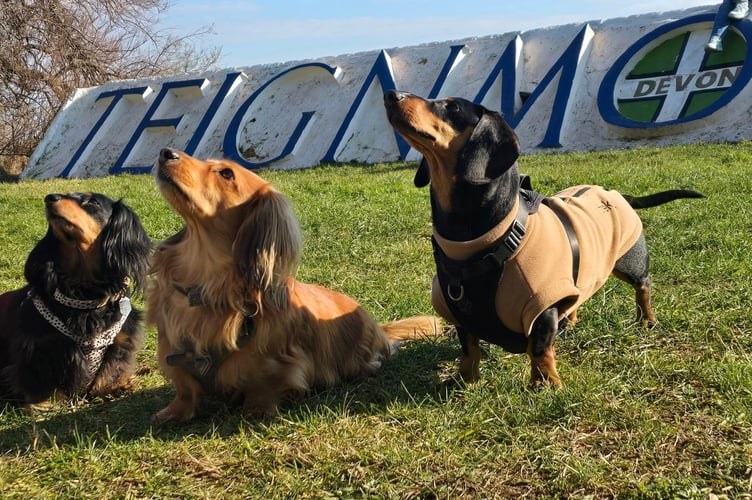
<point>277,31</point>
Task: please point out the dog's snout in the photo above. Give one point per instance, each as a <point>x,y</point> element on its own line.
<point>393,96</point>
<point>168,154</point>
<point>52,198</point>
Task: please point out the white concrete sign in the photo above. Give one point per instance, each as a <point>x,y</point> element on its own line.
<point>641,80</point>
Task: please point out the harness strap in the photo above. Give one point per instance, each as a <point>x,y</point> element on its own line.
<point>193,293</point>
<point>487,262</point>
<point>469,286</point>
<point>203,366</point>
<point>569,229</point>
<point>93,346</point>
<point>572,237</point>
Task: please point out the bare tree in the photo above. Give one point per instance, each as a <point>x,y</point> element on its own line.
<point>48,48</point>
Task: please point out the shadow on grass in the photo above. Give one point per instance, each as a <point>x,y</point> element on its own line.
<point>412,376</point>
<point>8,178</point>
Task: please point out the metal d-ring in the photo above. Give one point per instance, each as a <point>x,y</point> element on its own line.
<point>451,295</point>
<point>255,311</point>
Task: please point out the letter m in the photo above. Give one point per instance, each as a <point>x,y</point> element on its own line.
<point>564,73</point>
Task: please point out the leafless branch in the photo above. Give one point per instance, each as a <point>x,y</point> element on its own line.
<point>51,47</point>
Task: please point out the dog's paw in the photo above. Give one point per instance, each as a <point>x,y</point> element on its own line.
<point>164,416</point>
<point>469,376</point>
<point>34,409</point>
<point>552,383</point>
<point>470,367</point>
<point>649,324</point>
<point>260,411</point>
<point>542,380</point>
<point>116,389</point>
<point>566,324</point>
<point>173,413</point>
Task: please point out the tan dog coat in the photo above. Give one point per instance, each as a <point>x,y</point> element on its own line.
<point>539,274</point>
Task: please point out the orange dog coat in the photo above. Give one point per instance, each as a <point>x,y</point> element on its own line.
<point>539,273</point>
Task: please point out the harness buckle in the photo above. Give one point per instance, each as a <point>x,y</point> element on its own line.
<point>513,239</point>
<point>191,361</point>
<point>194,297</point>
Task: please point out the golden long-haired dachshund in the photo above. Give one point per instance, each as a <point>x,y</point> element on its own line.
<point>231,318</point>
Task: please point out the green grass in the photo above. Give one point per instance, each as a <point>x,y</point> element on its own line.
<point>644,414</point>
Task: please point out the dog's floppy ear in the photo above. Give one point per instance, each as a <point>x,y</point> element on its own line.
<point>422,175</point>
<point>491,150</point>
<point>125,246</point>
<point>267,248</point>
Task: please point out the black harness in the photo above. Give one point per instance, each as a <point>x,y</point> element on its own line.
<point>469,286</point>
<point>203,366</point>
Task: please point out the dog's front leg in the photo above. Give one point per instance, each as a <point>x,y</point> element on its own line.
<point>540,348</point>
<point>261,401</point>
<point>188,394</point>
<point>470,357</point>
<point>188,390</point>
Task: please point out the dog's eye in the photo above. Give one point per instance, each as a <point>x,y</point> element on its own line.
<point>227,173</point>
<point>91,201</point>
<point>452,106</point>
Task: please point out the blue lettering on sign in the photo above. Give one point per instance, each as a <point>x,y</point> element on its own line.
<point>230,80</point>
<point>506,66</point>
<point>230,145</point>
<point>562,74</point>
<point>147,122</point>
<point>454,53</point>
<point>566,65</point>
<point>733,80</point>
<point>381,69</point>
<point>116,96</point>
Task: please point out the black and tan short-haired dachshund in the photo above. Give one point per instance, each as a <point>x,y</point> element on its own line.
<point>71,331</point>
<point>512,265</point>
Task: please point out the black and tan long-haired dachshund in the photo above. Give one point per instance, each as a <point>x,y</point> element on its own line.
<point>71,331</point>
<point>231,318</point>
<point>513,266</point>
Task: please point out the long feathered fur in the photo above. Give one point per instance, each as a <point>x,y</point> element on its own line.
<point>95,249</point>
<point>224,291</point>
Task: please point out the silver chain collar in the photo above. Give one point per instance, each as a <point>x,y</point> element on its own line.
<point>93,348</point>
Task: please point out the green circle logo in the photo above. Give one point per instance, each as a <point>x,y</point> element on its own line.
<point>667,77</point>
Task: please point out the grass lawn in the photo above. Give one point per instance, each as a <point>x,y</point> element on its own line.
<point>644,414</point>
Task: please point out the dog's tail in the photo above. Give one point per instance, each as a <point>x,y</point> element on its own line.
<point>653,200</point>
<point>417,327</point>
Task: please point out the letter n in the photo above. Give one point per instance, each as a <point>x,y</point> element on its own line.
<point>382,69</point>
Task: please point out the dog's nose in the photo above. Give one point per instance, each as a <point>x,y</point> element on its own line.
<point>52,198</point>
<point>393,96</point>
<point>168,154</point>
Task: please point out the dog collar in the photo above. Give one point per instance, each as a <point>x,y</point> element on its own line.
<point>92,347</point>
<point>88,305</point>
<point>195,299</point>
<point>506,235</point>
<point>193,293</point>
